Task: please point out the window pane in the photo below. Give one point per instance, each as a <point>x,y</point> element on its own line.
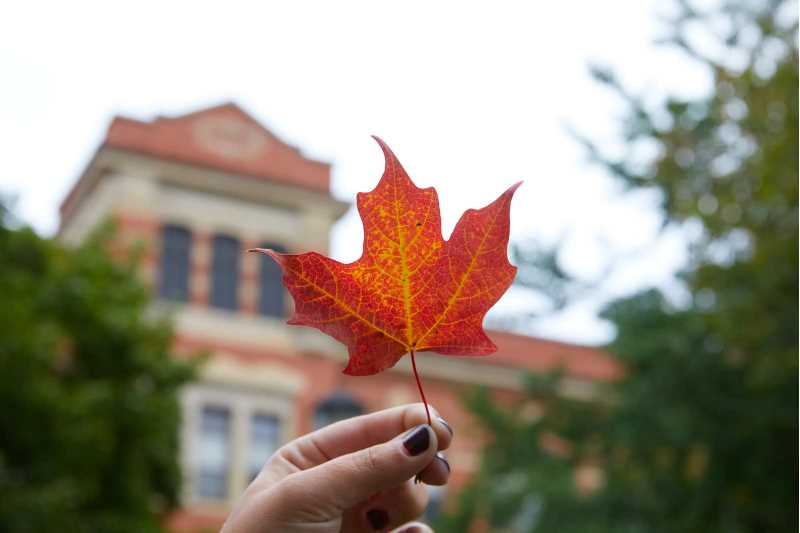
<point>175,254</point>
<point>436,498</point>
<point>264,440</point>
<point>211,462</point>
<point>271,300</point>
<point>225,272</point>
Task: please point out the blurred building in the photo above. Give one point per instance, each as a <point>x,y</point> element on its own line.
<point>197,191</point>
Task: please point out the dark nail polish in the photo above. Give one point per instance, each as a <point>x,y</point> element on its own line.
<point>378,518</point>
<point>418,441</point>
<point>443,459</point>
<point>446,425</point>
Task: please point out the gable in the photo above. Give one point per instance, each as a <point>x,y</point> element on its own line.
<point>221,138</point>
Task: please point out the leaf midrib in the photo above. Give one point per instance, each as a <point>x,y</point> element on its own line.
<point>461,284</point>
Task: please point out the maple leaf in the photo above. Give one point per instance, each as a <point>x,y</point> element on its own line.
<point>411,291</point>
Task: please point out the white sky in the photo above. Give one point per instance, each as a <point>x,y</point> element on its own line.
<point>471,100</point>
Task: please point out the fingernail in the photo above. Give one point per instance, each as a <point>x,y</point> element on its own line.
<point>412,529</point>
<point>446,425</point>
<point>418,441</point>
<point>378,518</point>
<point>443,459</point>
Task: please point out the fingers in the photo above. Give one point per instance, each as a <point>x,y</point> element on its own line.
<point>437,472</point>
<point>388,510</point>
<point>349,479</point>
<point>364,431</point>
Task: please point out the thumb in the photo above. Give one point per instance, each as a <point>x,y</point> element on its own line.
<point>345,481</point>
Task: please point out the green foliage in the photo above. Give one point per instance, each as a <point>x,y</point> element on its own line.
<point>701,435</point>
<point>88,409</point>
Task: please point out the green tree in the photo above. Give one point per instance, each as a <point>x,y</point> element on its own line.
<point>701,435</point>
<point>88,409</point>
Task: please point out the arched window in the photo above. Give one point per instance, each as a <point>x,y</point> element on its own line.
<point>176,247</point>
<point>272,296</point>
<point>338,406</point>
<point>225,272</point>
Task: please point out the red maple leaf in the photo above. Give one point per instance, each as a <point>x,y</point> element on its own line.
<point>411,291</point>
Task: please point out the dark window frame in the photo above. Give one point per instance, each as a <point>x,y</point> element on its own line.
<point>225,270</point>
<point>271,292</point>
<point>175,262</point>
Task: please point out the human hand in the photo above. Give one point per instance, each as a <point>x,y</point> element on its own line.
<point>352,476</point>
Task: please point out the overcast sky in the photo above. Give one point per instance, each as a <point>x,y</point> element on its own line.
<point>470,99</point>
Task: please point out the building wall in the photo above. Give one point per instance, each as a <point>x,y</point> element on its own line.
<point>256,363</point>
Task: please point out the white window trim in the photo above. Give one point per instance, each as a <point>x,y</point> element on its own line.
<point>242,403</point>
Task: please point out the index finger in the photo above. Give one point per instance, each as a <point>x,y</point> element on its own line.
<point>364,431</point>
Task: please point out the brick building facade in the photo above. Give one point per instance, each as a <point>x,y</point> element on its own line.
<point>197,191</point>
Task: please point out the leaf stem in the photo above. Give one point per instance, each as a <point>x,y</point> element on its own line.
<point>419,385</point>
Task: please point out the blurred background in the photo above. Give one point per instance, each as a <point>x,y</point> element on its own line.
<point>646,377</point>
